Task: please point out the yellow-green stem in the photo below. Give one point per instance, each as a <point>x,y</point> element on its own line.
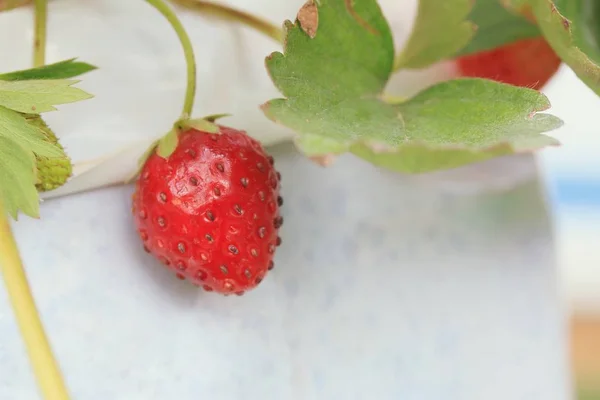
<point>188,50</point>
<point>397,63</point>
<point>39,38</point>
<point>44,365</point>
<point>231,14</point>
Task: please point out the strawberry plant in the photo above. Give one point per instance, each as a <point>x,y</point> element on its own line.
<point>207,197</point>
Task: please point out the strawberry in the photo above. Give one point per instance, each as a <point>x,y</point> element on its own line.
<point>210,211</point>
<point>52,173</point>
<point>528,63</point>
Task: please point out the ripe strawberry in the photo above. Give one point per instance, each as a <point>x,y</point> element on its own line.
<point>210,211</point>
<point>528,63</point>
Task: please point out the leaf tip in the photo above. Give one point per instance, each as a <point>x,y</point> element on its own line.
<point>271,58</point>
<point>324,160</point>
<point>266,109</point>
<point>288,25</point>
<point>214,117</point>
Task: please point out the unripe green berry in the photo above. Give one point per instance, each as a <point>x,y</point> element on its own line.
<point>52,172</point>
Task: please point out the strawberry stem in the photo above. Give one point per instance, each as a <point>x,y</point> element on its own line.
<point>188,50</point>
<point>44,365</point>
<point>231,14</point>
<point>39,38</point>
<point>397,63</point>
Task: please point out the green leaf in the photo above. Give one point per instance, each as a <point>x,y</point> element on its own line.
<point>200,124</point>
<point>572,27</point>
<point>350,57</point>
<point>456,112</point>
<point>167,144</point>
<point>22,138</point>
<point>333,86</point>
<point>448,125</point>
<point>17,174</point>
<point>496,26</point>
<point>60,70</point>
<point>453,28</point>
<point>440,31</point>
<point>14,126</point>
<point>38,96</point>
<point>214,117</point>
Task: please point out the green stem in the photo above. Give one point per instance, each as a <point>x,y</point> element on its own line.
<point>39,39</point>
<point>397,63</point>
<point>44,365</point>
<point>231,14</point>
<point>188,50</point>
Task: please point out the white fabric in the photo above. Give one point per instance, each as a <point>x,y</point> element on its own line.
<point>386,287</point>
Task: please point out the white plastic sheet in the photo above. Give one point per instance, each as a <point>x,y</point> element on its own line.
<point>384,288</point>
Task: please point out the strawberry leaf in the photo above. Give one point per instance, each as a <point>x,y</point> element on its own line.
<point>167,144</point>
<point>451,28</point>
<point>333,86</point>
<point>18,177</point>
<point>571,28</point>
<point>440,31</point>
<point>201,124</point>
<point>38,96</point>
<point>14,126</point>
<point>496,26</point>
<point>60,70</point>
<point>22,137</point>
<point>214,117</point>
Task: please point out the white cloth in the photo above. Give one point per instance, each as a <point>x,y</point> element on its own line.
<point>384,288</point>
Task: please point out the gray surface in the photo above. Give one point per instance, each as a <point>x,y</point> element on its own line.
<point>384,288</point>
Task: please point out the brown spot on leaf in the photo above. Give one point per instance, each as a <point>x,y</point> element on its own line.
<point>308,17</point>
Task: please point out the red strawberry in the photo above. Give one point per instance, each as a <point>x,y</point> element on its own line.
<point>528,63</point>
<point>210,211</point>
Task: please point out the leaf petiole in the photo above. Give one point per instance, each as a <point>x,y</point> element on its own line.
<point>8,5</point>
<point>44,365</point>
<point>188,50</point>
<point>39,38</point>
<point>231,14</point>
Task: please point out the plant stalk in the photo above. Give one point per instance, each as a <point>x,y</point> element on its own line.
<point>188,50</point>
<point>45,367</point>
<point>231,14</point>
<point>39,38</point>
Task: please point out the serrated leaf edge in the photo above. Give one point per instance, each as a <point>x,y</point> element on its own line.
<point>68,61</point>
<point>36,212</point>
